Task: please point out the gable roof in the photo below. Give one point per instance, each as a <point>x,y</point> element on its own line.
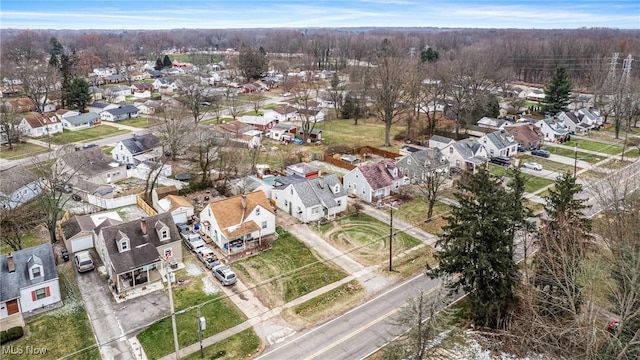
<point>39,120</point>
<point>91,161</point>
<point>429,158</point>
<point>86,223</point>
<point>441,139</point>
<point>139,144</point>
<point>501,139</point>
<point>14,178</point>
<point>319,191</point>
<point>125,109</point>
<point>284,110</point>
<point>12,282</point>
<point>173,202</point>
<point>258,120</point>
<point>82,118</point>
<point>234,127</point>
<point>142,248</point>
<point>100,105</point>
<point>526,131</point>
<point>229,212</point>
<point>378,174</point>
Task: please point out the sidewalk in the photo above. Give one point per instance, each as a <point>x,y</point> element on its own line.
<point>122,126</point>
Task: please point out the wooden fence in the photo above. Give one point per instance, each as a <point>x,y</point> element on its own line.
<point>146,207</point>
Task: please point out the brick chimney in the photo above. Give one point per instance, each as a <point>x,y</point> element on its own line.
<point>11,265</point>
<point>143,226</point>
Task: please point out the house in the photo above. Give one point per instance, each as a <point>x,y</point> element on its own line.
<point>313,135</point>
<point>165,84</point>
<point>374,181</point>
<point>440,142</point>
<point>238,132</point>
<point>81,121</point>
<point>282,132</point>
<point>19,105</point>
<point>120,113</point>
<point>137,75</point>
<point>29,284</point>
<point>553,130</point>
<point>240,222</point>
<point>252,183</point>
<point>135,253</point>
<point>466,154</point>
<point>103,72</point>
<point>580,121</point>
<point>137,149</point>
<point>115,78</point>
<point>17,186</point>
<point>77,232</point>
<point>65,113</point>
<point>96,93</point>
<point>527,135</point>
<point>310,200</point>
<point>141,87</point>
<point>535,95</point>
<point>119,90</point>
<point>37,125</point>
<point>493,123</point>
<point>499,143</point>
<point>262,123</point>
<point>312,115</point>
<point>154,74</point>
<point>98,107</point>
<point>91,165</point>
<point>100,190</point>
<point>283,113</point>
<point>166,199</point>
<point>409,149</point>
<point>304,170</point>
<point>418,166</point>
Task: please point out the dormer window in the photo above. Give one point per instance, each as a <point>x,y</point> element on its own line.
<point>408,161</point>
<point>36,272</point>
<point>162,230</point>
<point>336,189</point>
<point>123,242</point>
<point>124,245</point>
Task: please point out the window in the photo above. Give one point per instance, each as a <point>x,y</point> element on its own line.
<point>339,202</point>
<point>264,224</point>
<point>168,253</point>
<point>362,190</point>
<point>165,234</point>
<point>35,272</point>
<point>286,203</point>
<point>451,150</point>
<point>124,245</point>
<point>315,210</point>
<point>41,293</point>
<point>257,211</point>
<point>409,161</point>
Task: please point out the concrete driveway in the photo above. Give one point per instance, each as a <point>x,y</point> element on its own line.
<point>114,323</point>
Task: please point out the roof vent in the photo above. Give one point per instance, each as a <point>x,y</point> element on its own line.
<point>11,265</point>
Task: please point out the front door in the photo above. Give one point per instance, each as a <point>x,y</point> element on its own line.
<point>12,307</point>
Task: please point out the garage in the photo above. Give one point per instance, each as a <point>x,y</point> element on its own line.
<point>80,243</point>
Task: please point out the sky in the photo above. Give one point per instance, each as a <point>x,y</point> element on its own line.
<point>225,14</point>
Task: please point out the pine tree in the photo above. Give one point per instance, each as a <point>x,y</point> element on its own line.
<point>429,55</point>
<point>476,248</point>
<point>166,62</point>
<point>562,239</point>
<point>348,106</point>
<point>159,64</point>
<point>557,91</point>
<point>79,95</point>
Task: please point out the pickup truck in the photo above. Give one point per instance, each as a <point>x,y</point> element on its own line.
<point>192,240</point>
<point>208,257</point>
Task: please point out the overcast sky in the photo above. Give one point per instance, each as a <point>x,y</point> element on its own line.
<point>210,14</point>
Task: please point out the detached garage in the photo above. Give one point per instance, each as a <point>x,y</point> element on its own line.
<point>181,209</point>
<point>78,230</point>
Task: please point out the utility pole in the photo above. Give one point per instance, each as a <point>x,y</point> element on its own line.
<point>201,326</point>
<point>575,160</point>
<point>391,239</point>
<point>173,313</point>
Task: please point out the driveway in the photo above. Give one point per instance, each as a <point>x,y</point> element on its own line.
<point>113,323</point>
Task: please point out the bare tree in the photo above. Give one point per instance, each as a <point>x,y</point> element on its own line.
<point>191,97</point>
<point>206,148</point>
<point>432,187</point>
<point>38,82</point>
<point>9,131</point>
<point>389,94</point>
<point>173,130</point>
<point>306,96</point>
<point>257,99</point>
<point>233,103</point>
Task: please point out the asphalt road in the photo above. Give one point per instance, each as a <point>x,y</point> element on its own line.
<point>357,333</point>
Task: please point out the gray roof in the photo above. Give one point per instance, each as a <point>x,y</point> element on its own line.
<point>139,144</point>
<point>89,162</point>
<point>430,158</point>
<point>100,105</point>
<point>288,180</point>
<point>142,247</point>
<point>82,118</point>
<point>313,193</point>
<point>501,139</point>
<point>14,178</point>
<point>441,139</point>
<point>125,109</point>
<point>76,225</point>
<point>19,279</point>
<point>467,148</point>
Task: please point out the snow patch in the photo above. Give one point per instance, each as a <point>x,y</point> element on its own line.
<point>192,269</point>
<point>208,287</point>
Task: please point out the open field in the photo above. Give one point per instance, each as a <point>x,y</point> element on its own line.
<point>286,271</point>
<point>92,133</point>
<point>367,132</point>
<point>21,150</point>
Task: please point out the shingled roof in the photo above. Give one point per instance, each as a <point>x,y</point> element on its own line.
<point>229,213</point>
<point>380,174</point>
<point>12,282</point>
<point>139,144</point>
<point>14,178</point>
<point>320,191</point>
<point>89,162</point>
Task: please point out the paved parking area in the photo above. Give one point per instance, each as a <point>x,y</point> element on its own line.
<point>114,323</point>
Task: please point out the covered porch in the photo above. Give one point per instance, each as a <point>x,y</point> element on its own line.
<point>126,282</point>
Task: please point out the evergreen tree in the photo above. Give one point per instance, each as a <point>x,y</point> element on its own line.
<point>79,95</point>
<point>159,64</point>
<point>429,55</point>
<point>348,106</point>
<point>475,250</point>
<point>252,63</point>
<point>55,52</point>
<point>562,239</point>
<point>557,91</point>
<point>166,62</point>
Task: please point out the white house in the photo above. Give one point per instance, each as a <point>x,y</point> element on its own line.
<point>118,90</point>
<point>440,142</point>
<point>280,131</point>
<point>312,115</point>
<point>165,84</point>
<point>553,130</point>
<point>29,283</point>
<point>180,208</point>
<point>284,113</point>
<point>260,122</point>
<point>499,143</point>
<point>37,125</point>
<point>98,107</point>
<point>236,222</point>
<point>17,186</point>
<point>374,181</point>
<point>81,121</point>
<point>466,154</point>
<point>78,230</point>
<point>309,200</point>
<point>137,149</point>
<point>493,123</point>
<point>103,72</point>
<point>120,113</point>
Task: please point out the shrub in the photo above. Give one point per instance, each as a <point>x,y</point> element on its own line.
<point>11,334</point>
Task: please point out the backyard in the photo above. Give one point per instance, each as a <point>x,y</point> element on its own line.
<point>193,289</point>
<point>62,331</point>
<point>368,132</point>
<point>21,150</point>
<point>286,271</point>
<point>92,133</point>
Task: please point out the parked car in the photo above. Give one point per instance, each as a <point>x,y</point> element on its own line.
<point>63,188</point>
<point>533,166</point>
<point>225,274</point>
<point>84,261</point>
<point>208,257</point>
<point>500,160</point>
<point>521,148</point>
<point>182,227</point>
<point>65,255</point>
<point>541,153</point>
<point>287,94</point>
<point>192,240</point>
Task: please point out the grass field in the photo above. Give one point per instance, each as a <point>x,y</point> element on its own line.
<point>93,133</point>
<point>569,153</point>
<point>20,151</point>
<point>533,184</point>
<point>415,211</point>
<point>548,164</point>
<point>239,346</point>
<point>28,240</point>
<point>367,239</point>
<point>139,122</point>
<point>594,146</point>
<point>62,331</point>
<point>220,314</point>
<point>367,132</point>
<point>286,271</point>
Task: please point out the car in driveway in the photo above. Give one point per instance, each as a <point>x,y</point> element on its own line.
<point>225,275</point>
<point>84,262</point>
<point>208,257</point>
<point>541,153</point>
<point>533,166</point>
<point>192,240</point>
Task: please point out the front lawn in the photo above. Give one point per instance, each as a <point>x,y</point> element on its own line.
<point>414,211</point>
<point>548,164</point>
<point>62,331</point>
<point>21,150</point>
<point>594,146</point>
<point>92,133</point>
<point>139,122</point>
<point>569,153</point>
<point>193,290</point>
<point>286,271</point>
<point>533,183</point>
<point>366,239</point>
<point>239,346</point>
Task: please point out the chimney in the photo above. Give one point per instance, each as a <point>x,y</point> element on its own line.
<point>143,226</point>
<point>243,202</point>
<point>11,265</point>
